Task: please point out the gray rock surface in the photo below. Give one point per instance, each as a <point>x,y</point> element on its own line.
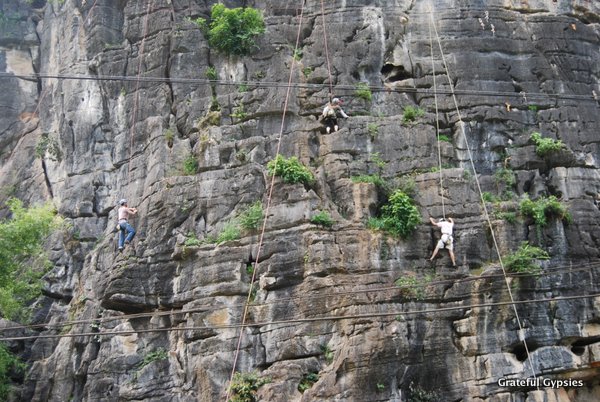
<point>160,322</point>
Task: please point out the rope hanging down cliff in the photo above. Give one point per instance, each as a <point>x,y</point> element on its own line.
<point>521,332</point>
<point>270,195</point>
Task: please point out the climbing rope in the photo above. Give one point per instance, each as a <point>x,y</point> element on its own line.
<point>437,124</point>
<point>326,51</point>
<point>268,206</point>
<point>486,214</point>
<point>137,94</point>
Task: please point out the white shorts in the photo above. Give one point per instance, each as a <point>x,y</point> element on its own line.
<point>446,242</point>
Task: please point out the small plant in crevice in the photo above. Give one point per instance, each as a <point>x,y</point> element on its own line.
<point>412,288</point>
<point>373,130</point>
<point>307,381</point>
<point>243,386</point>
<point>545,146</point>
<point>307,71</point>
<point>239,113</point>
<point>291,170</point>
<point>151,357</point>
<point>444,138</point>
<point>243,88</point>
<point>298,53</point>
<point>251,217</point>
<point>322,218</point>
<point>505,176</point>
<point>525,259</point>
<point>374,178</point>
<point>411,114</point>
<point>230,231</point>
<point>214,104</point>
<point>380,387</point>
<point>543,208</point>
<point>191,240</point>
<point>375,157</point>
<point>211,73</point>
<point>190,165</point>
<point>169,137</point>
<point>327,353</point>
<point>363,91</point>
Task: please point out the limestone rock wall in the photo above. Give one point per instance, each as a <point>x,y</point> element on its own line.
<point>160,321</point>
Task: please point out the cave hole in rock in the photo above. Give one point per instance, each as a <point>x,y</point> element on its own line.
<point>393,72</point>
<point>520,352</point>
<point>578,347</point>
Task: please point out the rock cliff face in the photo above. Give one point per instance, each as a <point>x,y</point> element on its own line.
<point>160,322</point>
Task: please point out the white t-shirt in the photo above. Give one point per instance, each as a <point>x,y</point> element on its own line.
<point>446,227</point>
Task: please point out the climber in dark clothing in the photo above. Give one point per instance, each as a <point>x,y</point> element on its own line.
<point>330,114</point>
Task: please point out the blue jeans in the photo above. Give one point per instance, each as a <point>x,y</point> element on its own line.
<point>125,227</point>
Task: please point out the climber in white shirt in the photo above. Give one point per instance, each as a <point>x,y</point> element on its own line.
<point>330,114</point>
<point>446,241</point>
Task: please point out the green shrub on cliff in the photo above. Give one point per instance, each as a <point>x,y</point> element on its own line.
<point>524,260</point>
<point>232,30</point>
<point>22,258</point>
<point>291,170</point>
<point>243,386</point>
<point>543,208</point>
<point>399,216</point>
<point>545,146</point>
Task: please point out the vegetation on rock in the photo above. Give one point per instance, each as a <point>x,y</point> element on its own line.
<point>399,216</point>
<point>524,260</point>
<point>544,208</point>
<point>233,30</point>
<point>291,170</point>
<point>244,386</point>
<point>545,146</point>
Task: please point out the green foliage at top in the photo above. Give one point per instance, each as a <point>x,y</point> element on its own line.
<point>399,216</point>
<point>322,218</point>
<point>524,260</point>
<point>233,30</point>
<point>22,258</point>
<point>411,113</point>
<point>252,217</point>
<point>545,146</point>
<point>363,91</point>
<point>243,386</point>
<point>543,208</point>
<point>291,170</point>
<point>8,363</point>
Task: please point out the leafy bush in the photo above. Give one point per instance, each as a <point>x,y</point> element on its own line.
<point>545,146</point>
<point>543,208</point>
<point>399,216</point>
<point>8,364</point>
<point>322,218</point>
<point>524,259</point>
<point>291,170</point>
<point>508,216</point>
<point>252,217</point>
<point>230,231</point>
<point>233,31</point>
<point>22,258</point>
<point>411,113</point>
<point>48,145</point>
<point>244,386</point>
<point>307,381</point>
<point>190,165</point>
<point>363,91</point>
